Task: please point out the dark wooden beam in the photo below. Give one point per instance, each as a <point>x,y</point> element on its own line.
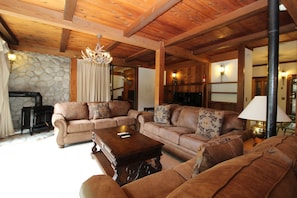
<point>69,9</point>
<point>138,54</point>
<point>154,12</point>
<point>291,6</point>
<point>7,34</point>
<point>64,39</point>
<point>187,54</point>
<point>111,46</point>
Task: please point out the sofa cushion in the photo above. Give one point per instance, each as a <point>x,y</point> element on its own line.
<point>257,175</point>
<point>162,114</point>
<point>98,110</point>
<point>118,108</point>
<point>209,123</point>
<point>188,117</point>
<point>173,133</point>
<point>192,141</point>
<point>153,127</point>
<point>216,151</point>
<point>72,110</point>
<point>77,126</point>
<point>104,123</point>
<point>125,120</point>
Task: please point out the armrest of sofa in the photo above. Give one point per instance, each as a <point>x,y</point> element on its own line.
<point>146,117</point>
<point>143,118</point>
<point>58,120</point>
<point>101,186</point>
<point>133,113</point>
<point>60,125</point>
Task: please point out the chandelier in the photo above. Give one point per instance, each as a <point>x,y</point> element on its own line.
<point>98,55</point>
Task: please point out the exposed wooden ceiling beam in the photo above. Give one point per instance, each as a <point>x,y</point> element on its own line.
<point>291,6</point>
<point>64,40</point>
<point>236,15</point>
<point>243,39</point>
<point>111,46</point>
<point>180,52</point>
<point>138,54</point>
<point>35,13</point>
<point>154,12</point>
<point>7,34</point>
<point>69,9</point>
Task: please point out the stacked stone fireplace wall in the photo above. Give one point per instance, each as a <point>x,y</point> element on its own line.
<point>34,72</point>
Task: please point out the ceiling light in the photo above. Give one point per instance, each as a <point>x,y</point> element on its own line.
<point>98,56</point>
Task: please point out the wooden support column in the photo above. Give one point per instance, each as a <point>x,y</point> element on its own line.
<point>159,76</point>
<point>240,85</point>
<point>73,80</point>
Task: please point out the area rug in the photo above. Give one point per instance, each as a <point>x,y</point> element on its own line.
<point>39,168</point>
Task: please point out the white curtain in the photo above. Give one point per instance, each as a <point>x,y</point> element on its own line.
<point>6,126</point>
<point>93,81</point>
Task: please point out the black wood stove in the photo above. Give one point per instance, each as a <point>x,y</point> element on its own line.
<point>35,118</point>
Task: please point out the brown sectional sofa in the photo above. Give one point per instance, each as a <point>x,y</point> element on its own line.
<point>74,121</point>
<point>178,133</point>
<point>268,170</point>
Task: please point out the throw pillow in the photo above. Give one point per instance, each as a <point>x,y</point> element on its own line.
<point>99,110</point>
<point>162,114</point>
<point>209,123</point>
<point>216,151</point>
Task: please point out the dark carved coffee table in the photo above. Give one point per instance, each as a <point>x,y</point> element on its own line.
<point>126,159</point>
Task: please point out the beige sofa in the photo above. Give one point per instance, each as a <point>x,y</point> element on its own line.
<point>269,170</point>
<point>74,121</point>
<point>179,127</point>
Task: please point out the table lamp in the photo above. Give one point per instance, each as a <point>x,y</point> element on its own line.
<point>256,111</point>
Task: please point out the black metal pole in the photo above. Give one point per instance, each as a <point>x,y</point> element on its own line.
<point>273,47</point>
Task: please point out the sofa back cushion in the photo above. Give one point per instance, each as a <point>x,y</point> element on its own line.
<point>188,117</point>
<point>286,144</point>
<point>119,108</point>
<point>72,110</point>
<point>257,175</point>
<point>98,110</point>
<point>232,122</point>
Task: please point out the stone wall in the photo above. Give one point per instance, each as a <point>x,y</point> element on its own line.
<point>34,72</point>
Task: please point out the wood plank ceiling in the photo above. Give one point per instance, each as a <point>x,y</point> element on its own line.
<point>132,30</point>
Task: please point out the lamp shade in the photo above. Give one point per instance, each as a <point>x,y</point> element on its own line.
<point>256,110</point>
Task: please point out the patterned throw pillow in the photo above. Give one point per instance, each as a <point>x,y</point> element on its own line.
<point>162,114</point>
<point>209,123</point>
<point>216,151</point>
<point>99,110</point>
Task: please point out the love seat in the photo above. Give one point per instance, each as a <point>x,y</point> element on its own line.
<point>268,170</point>
<point>183,129</point>
<point>74,121</point>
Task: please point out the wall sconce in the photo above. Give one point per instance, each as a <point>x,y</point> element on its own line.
<point>222,70</point>
<point>284,76</point>
<point>174,80</point>
<point>11,57</point>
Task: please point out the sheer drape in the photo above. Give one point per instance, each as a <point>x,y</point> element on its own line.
<point>93,81</point>
<point>6,126</point>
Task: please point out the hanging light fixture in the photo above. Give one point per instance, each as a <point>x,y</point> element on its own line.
<point>98,55</point>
